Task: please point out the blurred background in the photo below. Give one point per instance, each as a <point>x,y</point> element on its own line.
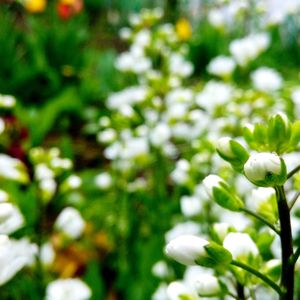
<point>113,108</point>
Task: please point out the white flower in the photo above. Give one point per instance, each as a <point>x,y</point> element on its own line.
<point>12,168</point>
<point>207,285</point>
<point>3,196</point>
<point>181,173</point>
<point>161,292</point>
<point>160,269</point>
<point>190,205</point>
<point>107,136</point>
<point>7,101</point>
<point>42,171</point>
<point>179,66</point>
<point>262,165</point>
<point>221,230</point>
<point>216,18</point>
<point>186,249</point>
<point>179,229</point>
<point>176,289</point>
<point>10,218</point>
<point>131,96</point>
<point>221,66</point>
<point>240,245</point>
<point>14,255</point>
<point>214,94</point>
<point>47,254</point>
<point>103,180</point>
<point>73,181</point>
<point>48,188</point>
<point>160,134</point>
<point>248,48</point>
<point>68,289</point>
<point>133,62</point>
<point>2,125</point>
<point>266,79</point>
<point>223,145</point>
<point>259,197</point>
<point>70,222</point>
<point>210,182</point>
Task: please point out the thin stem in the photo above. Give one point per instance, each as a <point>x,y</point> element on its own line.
<point>256,273</point>
<point>293,201</point>
<point>294,171</point>
<point>287,270</point>
<point>240,291</point>
<point>260,218</point>
<point>295,257</point>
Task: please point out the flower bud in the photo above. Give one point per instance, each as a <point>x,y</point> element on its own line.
<point>207,285</point>
<point>265,169</point>
<point>240,245</point>
<point>279,132</point>
<point>220,230</point>
<point>192,250</point>
<point>263,201</point>
<point>218,190</point>
<point>233,152</point>
<point>272,268</point>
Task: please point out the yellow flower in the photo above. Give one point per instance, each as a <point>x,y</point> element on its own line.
<point>183,29</point>
<point>35,6</point>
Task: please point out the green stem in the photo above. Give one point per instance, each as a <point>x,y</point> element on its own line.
<point>256,273</point>
<point>294,171</point>
<point>295,257</point>
<point>260,218</point>
<point>293,201</point>
<point>287,270</point>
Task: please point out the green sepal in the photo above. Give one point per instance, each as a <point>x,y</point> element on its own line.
<point>260,135</point>
<point>217,256</point>
<point>279,133</point>
<point>295,135</point>
<point>226,198</point>
<point>239,158</point>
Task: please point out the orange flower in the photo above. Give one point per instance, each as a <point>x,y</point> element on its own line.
<point>35,6</point>
<point>68,8</point>
<point>183,29</point>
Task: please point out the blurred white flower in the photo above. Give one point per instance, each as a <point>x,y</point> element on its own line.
<point>70,222</point>
<point>7,101</point>
<point>180,174</point>
<point>47,254</point>
<point>190,205</point>
<point>176,289</point>
<point>11,218</point>
<point>179,66</point>
<point>213,94</point>
<point>207,285</point>
<point>68,289</point>
<point>3,196</point>
<point>14,255</point>
<point>107,135</point>
<point>2,125</point>
<point>160,269</point>
<point>266,79</point>
<point>222,66</point>
<point>73,181</point>
<point>179,229</point>
<point>161,292</point>
<point>160,134</point>
<point>12,168</point>
<point>248,48</point>
<point>240,245</point>
<point>103,180</point>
